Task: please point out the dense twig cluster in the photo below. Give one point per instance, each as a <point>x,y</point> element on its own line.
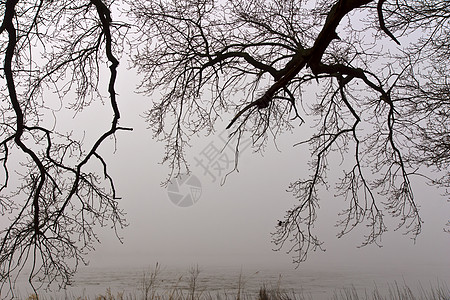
<point>49,190</point>
<point>384,103</point>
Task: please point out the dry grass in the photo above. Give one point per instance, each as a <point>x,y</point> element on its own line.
<point>150,290</point>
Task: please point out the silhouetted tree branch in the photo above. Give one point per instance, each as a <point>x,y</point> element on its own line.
<point>383,102</point>
<point>55,198</point>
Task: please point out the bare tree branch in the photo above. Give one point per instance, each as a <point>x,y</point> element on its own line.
<point>376,100</point>
<point>59,199</point>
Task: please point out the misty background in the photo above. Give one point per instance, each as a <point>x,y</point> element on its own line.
<point>230,225</point>
<point>228,230</point>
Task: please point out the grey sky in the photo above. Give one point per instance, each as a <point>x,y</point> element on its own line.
<point>231,223</point>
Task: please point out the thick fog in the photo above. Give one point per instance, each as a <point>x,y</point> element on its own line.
<point>231,221</point>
